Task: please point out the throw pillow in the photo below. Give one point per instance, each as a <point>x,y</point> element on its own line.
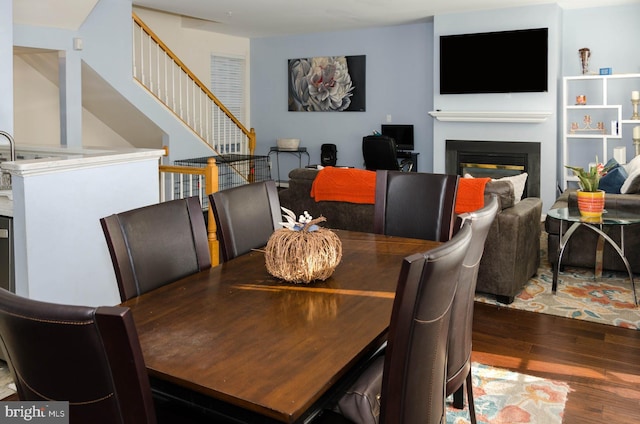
<point>633,165</point>
<point>470,195</point>
<point>632,183</point>
<point>518,182</point>
<point>504,191</point>
<point>614,179</point>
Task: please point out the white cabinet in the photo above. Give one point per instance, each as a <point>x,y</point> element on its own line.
<point>598,124</point>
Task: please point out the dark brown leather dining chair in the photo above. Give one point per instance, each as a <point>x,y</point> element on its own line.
<point>156,245</point>
<point>415,204</point>
<point>461,326</point>
<point>408,382</point>
<point>90,357</point>
<point>246,216</point>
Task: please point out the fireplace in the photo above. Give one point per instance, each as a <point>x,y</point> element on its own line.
<point>495,159</point>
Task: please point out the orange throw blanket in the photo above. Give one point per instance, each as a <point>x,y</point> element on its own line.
<point>470,195</point>
<point>344,185</point>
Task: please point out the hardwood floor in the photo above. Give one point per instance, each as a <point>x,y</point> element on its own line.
<point>601,363</point>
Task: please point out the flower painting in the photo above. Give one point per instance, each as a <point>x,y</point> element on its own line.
<point>327,83</point>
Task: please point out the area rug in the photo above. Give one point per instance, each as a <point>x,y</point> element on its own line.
<point>502,396</point>
<point>605,300</point>
<point>7,387</point>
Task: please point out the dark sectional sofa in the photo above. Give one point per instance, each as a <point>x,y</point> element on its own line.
<point>512,249</point>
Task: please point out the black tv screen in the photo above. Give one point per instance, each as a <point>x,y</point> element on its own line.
<point>494,62</point>
<point>402,134</point>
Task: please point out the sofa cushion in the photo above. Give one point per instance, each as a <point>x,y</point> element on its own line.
<point>632,184</point>
<point>504,191</point>
<point>518,182</point>
<point>633,165</point>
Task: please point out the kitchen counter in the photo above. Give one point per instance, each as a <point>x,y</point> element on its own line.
<point>36,160</point>
<point>33,160</point>
<point>57,198</point>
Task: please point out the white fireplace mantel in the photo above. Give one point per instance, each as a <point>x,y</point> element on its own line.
<point>519,117</point>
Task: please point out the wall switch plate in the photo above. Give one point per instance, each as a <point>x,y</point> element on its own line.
<point>388,118</point>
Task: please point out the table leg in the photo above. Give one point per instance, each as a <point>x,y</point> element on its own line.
<point>564,239</point>
<point>620,252</point>
<point>599,257</point>
<point>554,285</point>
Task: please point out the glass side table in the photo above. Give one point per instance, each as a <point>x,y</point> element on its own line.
<point>609,217</point>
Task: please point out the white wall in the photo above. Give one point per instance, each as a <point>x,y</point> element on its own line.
<point>37,113</point>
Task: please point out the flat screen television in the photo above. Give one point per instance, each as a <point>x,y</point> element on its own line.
<point>402,134</point>
<point>494,62</point>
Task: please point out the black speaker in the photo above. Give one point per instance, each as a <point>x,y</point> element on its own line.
<point>328,155</point>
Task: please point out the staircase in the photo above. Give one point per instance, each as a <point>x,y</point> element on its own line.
<point>162,73</point>
<point>137,112</point>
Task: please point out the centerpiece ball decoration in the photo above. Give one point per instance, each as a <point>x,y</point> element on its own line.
<point>301,251</point>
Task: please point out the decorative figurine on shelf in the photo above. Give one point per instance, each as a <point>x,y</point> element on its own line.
<point>585,55</point>
<point>635,100</point>
<point>587,125</point>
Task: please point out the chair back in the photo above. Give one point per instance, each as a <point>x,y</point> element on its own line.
<point>246,216</point>
<point>415,204</point>
<point>461,326</point>
<point>157,244</point>
<point>90,357</point>
<point>380,152</point>
<point>413,380</point>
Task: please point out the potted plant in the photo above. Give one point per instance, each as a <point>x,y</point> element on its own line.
<point>590,197</point>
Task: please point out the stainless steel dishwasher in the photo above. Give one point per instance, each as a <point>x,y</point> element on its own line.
<point>7,275</point>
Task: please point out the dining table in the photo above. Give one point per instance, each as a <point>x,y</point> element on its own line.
<point>249,347</point>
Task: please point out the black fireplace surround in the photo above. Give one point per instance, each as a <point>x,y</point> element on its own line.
<point>505,157</point>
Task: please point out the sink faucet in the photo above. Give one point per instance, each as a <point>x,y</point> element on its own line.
<point>12,145</point>
<point>5,177</point>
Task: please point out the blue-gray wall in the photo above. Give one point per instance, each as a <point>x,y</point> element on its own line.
<point>399,83</point>
<point>611,33</point>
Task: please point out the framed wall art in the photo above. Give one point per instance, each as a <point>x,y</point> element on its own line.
<point>327,84</point>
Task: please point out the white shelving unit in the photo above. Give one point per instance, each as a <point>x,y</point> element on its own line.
<point>603,123</point>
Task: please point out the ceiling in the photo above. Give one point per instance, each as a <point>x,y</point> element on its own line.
<point>264,18</point>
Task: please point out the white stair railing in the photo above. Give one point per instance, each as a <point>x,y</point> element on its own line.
<point>160,71</point>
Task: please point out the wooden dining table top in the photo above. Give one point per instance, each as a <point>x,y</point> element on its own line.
<point>238,335</point>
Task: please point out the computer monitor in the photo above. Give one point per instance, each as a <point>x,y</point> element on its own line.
<point>402,134</point>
